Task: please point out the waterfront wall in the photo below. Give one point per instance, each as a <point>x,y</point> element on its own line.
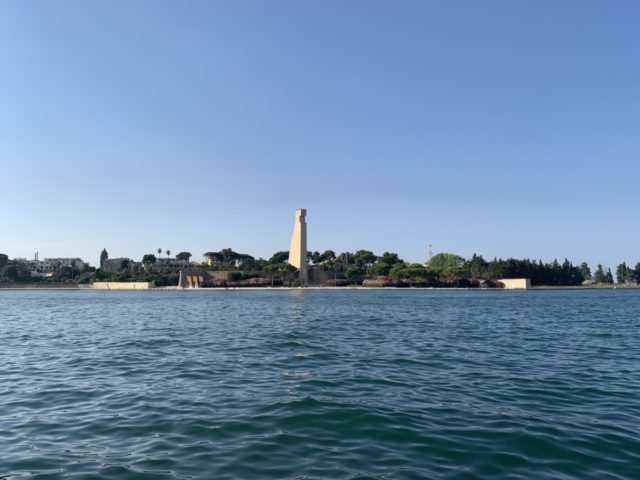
<point>218,274</point>
<point>516,283</point>
<point>190,280</point>
<point>123,285</point>
<point>320,277</point>
<point>42,285</point>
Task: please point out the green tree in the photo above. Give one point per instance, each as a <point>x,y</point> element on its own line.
<point>495,269</point>
<point>148,260</point>
<point>244,262</point>
<point>3,260</point>
<point>345,259</point>
<point>330,261</point>
<point>168,253</point>
<point>600,276</point>
<point>184,256</point>
<point>159,252</point>
<point>213,258</point>
<point>15,271</point>
<point>609,277</point>
<point>280,257</point>
<point>364,259</point>
<point>554,273</point>
<point>379,269</point>
<point>328,256</point>
<point>566,273</point>
<point>283,270</point>
<point>314,257</point>
<point>445,264</point>
<point>389,258</point>
<point>65,273</point>
<point>415,270</point>
<point>288,271</point>
<point>234,276</point>
<point>416,273</point>
<point>622,273</point>
<point>271,269</point>
<point>585,271</point>
<point>228,255</point>
<point>326,260</point>
<point>476,266</point>
<point>9,271</point>
<point>398,271</point>
<point>354,274</point>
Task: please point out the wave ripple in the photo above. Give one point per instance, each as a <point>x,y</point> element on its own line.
<point>320,385</point>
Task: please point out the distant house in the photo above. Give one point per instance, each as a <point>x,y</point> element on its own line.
<point>115,265</point>
<point>172,263</point>
<point>54,263</point>
<point>38,268</point>
<point>46,267</point>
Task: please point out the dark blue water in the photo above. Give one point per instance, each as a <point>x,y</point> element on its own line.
<point>320,384</point>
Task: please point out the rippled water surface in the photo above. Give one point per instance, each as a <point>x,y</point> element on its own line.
<point>320,384</point>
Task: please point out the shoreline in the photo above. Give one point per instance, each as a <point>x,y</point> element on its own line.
<point>32,287</point>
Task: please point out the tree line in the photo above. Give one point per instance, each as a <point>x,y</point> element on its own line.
<point>361,266</point>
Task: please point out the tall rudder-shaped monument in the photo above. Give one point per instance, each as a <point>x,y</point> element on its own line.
<point>298,249</point>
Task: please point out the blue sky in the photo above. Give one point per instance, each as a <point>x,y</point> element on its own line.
<point>505,128</point>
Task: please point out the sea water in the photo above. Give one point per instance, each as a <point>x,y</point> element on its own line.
<point>320,384</point>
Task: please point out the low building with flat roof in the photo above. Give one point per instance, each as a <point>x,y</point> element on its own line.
<point>516,283</point>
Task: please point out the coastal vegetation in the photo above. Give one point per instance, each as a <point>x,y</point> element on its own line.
<point>362,267</point>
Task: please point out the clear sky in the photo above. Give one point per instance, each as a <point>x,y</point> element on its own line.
<point>505,128</point>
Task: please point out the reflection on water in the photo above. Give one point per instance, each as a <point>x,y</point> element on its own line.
<point>295,334</point>
<point>296,303</point>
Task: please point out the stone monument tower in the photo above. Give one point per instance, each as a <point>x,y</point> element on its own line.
<point>298,249</point>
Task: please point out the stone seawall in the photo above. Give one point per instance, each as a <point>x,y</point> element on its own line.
<point>123,285</point>
<point>43,285</point>
<point>516,283</point>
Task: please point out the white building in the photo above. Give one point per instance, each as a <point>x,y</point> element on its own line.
<point>53,263</point>
<point>46,267</point>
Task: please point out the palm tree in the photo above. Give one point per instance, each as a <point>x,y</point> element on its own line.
<point>168,253</point>
<point>159,252</point>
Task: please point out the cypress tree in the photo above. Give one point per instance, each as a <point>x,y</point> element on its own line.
<point>103,256</point>
<point>600,276</point>
<point>622,272</point>
<point>608,277</point>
